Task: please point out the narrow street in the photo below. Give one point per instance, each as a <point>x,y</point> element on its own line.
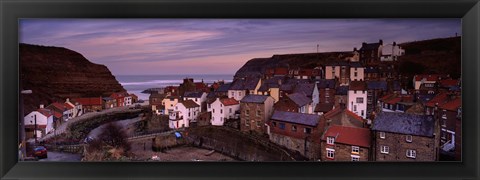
<point>63,157</point>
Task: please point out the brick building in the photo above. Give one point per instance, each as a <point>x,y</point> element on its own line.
<point>255,110</point>
<point>404,137</point>
<point>296,131</point>
<point>326,90</point>
<point>371,52</point>
<point>342,143</point>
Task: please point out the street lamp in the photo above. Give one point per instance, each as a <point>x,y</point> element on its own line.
<point>22,123</point>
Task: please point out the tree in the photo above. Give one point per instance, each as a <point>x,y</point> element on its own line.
<point>114,136</point>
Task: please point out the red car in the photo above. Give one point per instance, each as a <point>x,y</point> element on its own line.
<point>40,152</point>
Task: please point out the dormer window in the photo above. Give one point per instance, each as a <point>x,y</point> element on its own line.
<point>330,140</point>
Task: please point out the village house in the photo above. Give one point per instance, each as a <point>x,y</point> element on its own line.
<point>77,107</point>
<point>446,85</point>
<point>318,73</point>
<point>276,72</point>
<point>39,123</point>
<point>311,91</point>
<point>198,97</point>
<point>396,102</point>
<point>295,102</point>
<point>109,103</point>
<point>223,109</point>
<point>370,52</point>
<point>339,71</point>
<point>446,109</point>
<point>243,86</point>
<point>203,119</point>
<point>404,137</point>
<point>134,98</point>
<point>357,98</point>
<point>64,108</point>
<point>155,101</point>
<point>357,72</point>
<point>371,73</point>
<point>255,110</point>
<point>169,103</point>
<point>326,90</point>
<point>375,90</point>
<point>222,90</point>
<point>343,117</point>
<point>120,98</point>
<point>343,143</point>
<point>428,79</point>
<point>183,113</point>
<point>354,56</point>
<point>127,100</point>
<point>341,96</point>
<point>296,131</point>
<point>171,91</point>
<point>391,52</point>
<point>90,104</point>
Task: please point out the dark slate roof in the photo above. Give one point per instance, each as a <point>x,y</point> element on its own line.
<point>264,87</point>
<point>224,87</point>
<point>211,95</point>
<point>358,85</point>
<point>254,98</point>
<point>326,83</point>
<point>370,46</point>
<point>287,87</point>
<point>193,94</point>
<point>373,85</point>
<point>339,63</point>
<point>274,80</point>
<point>306,89</point>
<point>355,64</point>
<point>403,123</point>
<point>297,118</point>
<point>251,83</point>
<point>237,84</point>
<point>342,90</point>
<point>296,81</point>
<point>299,99</point>
<point>396,86</point>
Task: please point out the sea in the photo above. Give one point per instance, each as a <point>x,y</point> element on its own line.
<point>137,83</point>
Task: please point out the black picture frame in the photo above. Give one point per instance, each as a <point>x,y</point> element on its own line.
<point>11,11</point>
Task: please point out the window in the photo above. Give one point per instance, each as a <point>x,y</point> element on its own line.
<point>213,110</point>
<point>247,112</point>
<point>330,140</point>
<point>221,105</point>
<point>259,123</point>
<point>209,106</point>
<point>408,138</point>
<point>221,111</point>
<point>355,74</point>
<point>196,99</point>
<point>330,153</point>
<point>188,114</point>
<point>281,126</point>
<point>359,100</point>
<point>247,123</point>
<point>354,107</point>
<point>230,110</point>
<point>384,149</point>
<point>294,128</point>
<point>355,149</point>
<point>274,124</point>
<point>233,93</point>
<point>239,93</point>
<point>307,130</point>
<point>355,158</point>
<point>411,153</point>
<point>258,112</point>
<point>382,135</point>
<point>363,112</point>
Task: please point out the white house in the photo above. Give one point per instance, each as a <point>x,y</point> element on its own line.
<point>42,119</point>
<point>357,98</point>
<point>391,52</point>
<point>184,112</point>
<point>127,100</point>
<point>243,86</point>
<point>418,80</point>
<point>77,108</point>
<point>169,102</point>
<point>198,97</point>
<point>310,90</point>
<point>223,109</point>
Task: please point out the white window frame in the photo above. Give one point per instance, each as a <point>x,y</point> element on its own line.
<point>330,151</point>
<point>355,150</point>
<point>382,135</point>
<point>355,157</point>
<point>330,140</point>
<point>408,138</point>
<point>384,149</point>
<point>411,153</point>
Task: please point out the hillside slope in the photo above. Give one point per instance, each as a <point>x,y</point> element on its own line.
<point>55,73</point>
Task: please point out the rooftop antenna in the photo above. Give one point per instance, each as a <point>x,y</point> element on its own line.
<point>317,47</point>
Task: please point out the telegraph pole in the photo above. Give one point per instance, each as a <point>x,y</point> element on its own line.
<point>22,123</point>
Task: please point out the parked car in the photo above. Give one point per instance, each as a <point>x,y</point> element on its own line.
<point>40,152</point>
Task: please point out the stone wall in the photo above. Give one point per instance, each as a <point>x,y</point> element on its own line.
<point>424,146</point>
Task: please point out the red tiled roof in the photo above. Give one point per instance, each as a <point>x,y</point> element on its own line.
<point>68,106</point>
<point>393,100</point>
<point>333,112</point>
<point>452,105</point>
<point>89,101</point>
<point>281,71</point>
<point>353,115</point>
<point>388,96</point>
<point>118,95</point>
<point>57,114</point>
<point>32,126</point>
<point>428,77</point>
<point>45,112</point>
<point>200,85</point>
<point>439,98</point>
<point>305,72</point>
<point>349,135</point>
<point>449,82</point>
<point>229,101</point>
<point>59,106</point>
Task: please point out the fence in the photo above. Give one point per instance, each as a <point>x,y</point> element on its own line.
<point>76,149</point>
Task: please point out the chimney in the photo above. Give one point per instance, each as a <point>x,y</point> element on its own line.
<point>364,44</point>
<point>41,106</point>
<point>380,41</point>
<point>354,49</point>
<point>394,43</point>
<point>68,100</point>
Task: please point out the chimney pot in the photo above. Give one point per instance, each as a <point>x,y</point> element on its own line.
<point>41,106</point>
